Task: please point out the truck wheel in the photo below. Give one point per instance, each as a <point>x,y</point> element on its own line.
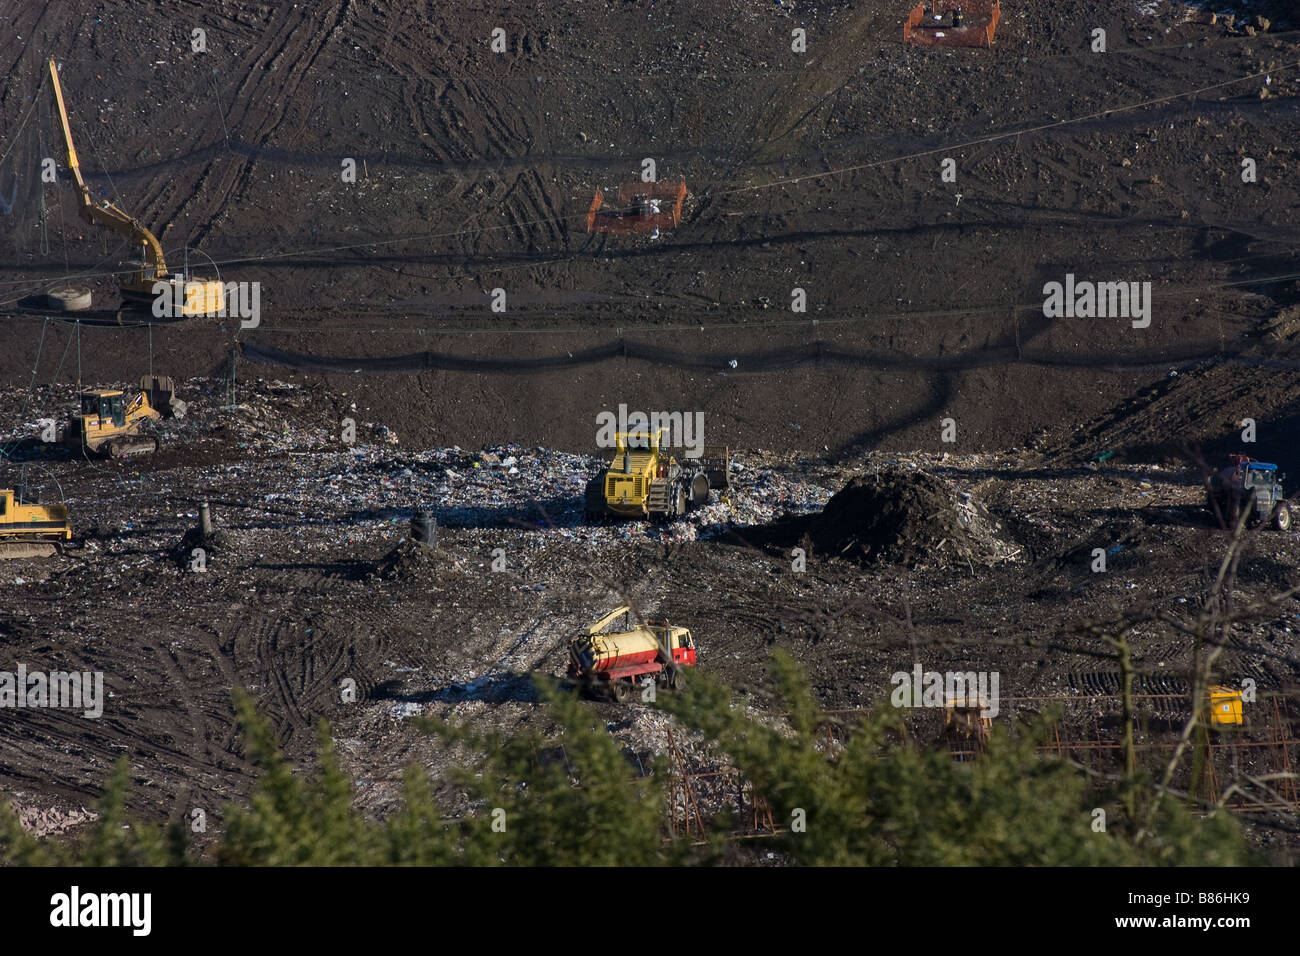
<point>1254,515</point>
<point>620,690</point>
<point>1282,517</point>
<point>699,491</point>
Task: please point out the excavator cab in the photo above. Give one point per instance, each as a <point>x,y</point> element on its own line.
<point>182,298</point>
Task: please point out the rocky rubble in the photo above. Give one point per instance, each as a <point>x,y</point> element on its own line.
<point>48,821</point>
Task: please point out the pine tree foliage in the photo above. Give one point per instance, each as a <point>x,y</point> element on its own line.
<point>575,799</point>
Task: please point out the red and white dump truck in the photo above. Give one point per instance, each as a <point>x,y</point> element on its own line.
<point>610,665</point>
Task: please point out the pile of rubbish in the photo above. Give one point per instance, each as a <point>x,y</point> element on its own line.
<point>200,543</point>
<point>911,517</point>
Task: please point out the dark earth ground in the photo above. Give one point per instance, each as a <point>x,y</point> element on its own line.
<point>475,171</point>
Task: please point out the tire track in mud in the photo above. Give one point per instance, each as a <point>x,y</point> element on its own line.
<point>256,633</point>
<point>157,711</point>
<point>18,27</point>
<point>212,736</point>
<point>465,124</point>
<point>262,102</point>
<point>222,658</point>
<point>508,130</point>
<point>294,644</point>
<point>540,635</point>
<point>506,119</point>
<point>226,174</point>
<point>1205,403</point>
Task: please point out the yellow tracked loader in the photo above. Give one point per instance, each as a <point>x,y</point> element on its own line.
<point>644,480</point>
<point>109,424</point>
<point>31,531</point>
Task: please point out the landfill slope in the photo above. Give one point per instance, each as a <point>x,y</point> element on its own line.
<point>818,172</point>
<point>928,468</point>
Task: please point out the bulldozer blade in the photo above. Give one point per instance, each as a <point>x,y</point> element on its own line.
<point>161,393</point>
<point>14,550</point>
<point>715,460</point>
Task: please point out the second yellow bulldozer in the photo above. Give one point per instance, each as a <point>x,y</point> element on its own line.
<point>644,480</point>
<point>108,423</point>
<point>31,531</point>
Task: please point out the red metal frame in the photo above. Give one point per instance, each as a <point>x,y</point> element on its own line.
<point>973,34</point>
<point>634,670</point>
<point>619,223</point>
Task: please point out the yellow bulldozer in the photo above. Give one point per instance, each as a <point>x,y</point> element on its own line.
<point>644,480</point>
<point>31,531</point>
<point>108,424</point>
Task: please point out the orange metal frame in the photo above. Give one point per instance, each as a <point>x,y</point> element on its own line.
<point>613,221</point>
<point>981,34</point>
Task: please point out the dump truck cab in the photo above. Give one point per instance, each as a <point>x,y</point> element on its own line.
<point>678,641</point>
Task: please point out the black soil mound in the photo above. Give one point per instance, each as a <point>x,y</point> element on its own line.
<point>409,559</point>
<point>910,518</point>
<point>214,546</point>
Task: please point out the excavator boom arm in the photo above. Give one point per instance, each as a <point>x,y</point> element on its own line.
<point>105,213</point>
<point>600,625</point>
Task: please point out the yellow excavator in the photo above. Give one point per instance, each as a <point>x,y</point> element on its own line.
<point>191,297</point>
<point>31,531</point>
